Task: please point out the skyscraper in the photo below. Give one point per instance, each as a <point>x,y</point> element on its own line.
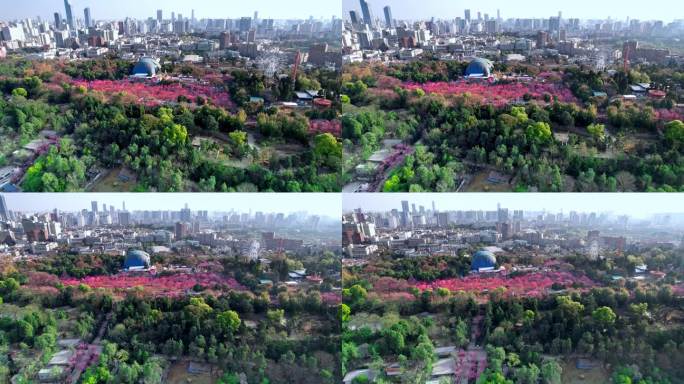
<point>467,14</point>
<point>93,205</point>
<point>69,15</point>
<point>4,212</point>
<point>88,20</point>
<point>159,15</point>
<point>365,11</point>
<point>388,17</point>
<point>58,21</point>
<point>354,18</point>
<point>404,212</point>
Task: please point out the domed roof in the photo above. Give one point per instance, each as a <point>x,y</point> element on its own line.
<point>146,66</point>
<point>483,259</point>
<point>136,258</point>
<point>479,67</point>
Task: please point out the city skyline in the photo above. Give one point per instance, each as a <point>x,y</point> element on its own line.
<point>632,204</point>
<point>321,204</point>
<point>583,9</point>
<point>143,9</point>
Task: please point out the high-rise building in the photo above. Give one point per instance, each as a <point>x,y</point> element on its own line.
<point>69,15</point>
<point>88,20</point>
<point>93,205</point>
<point>404,212</point>
<point>58,21</point>
<point>366,12</point>
<point>224,40</point>
<point>467,14</point>
<point>354,17</point>
<point>181,230</point>
<point>159,15</point>
<point>124,218</point>
<point>185,214</point>
<point>4,211</point>
<point>389,22</point>
<point>245,24</point>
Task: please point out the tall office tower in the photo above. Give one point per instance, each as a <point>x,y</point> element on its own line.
<point>4,212</point>
<point>404,213</point>
<point>93,205</point>
<point>159,15</point>
<point>354,18</point>
<point>388,17</point>
<point>88,20</point>
<point>366,12</point>
<point>123,206</point>
<point>192,16</point>
<point>58,21</point>
<point>498,15</point>
<point>69,15</point>
<point>173,16</point>
<point>256,16</point>
<point>467,14</point>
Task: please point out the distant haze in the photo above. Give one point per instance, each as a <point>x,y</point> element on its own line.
<point>665,10</point>
<point>323,204</point>
<point>142,9</point>
<point>633,204</point>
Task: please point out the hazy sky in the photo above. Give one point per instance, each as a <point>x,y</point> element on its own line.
<point>633,204</point>
<point>665,10</point>
<point>142,9</point>
<point>324,204</point>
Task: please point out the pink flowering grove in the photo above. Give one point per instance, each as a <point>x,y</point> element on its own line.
<point>333,127</point>
<point>171,285</point>
<point>497,94</point>
<point>532,284</point>
<point>153,94</point>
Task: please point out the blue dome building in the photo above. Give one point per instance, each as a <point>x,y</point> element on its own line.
<point>483,259</point>
<point>479,68</point>
<point>136,259</point>
<point>146,67</point>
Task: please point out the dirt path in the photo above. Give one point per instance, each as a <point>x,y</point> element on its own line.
<point>91,350</point>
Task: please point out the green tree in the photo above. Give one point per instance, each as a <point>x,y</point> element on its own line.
<point>328,150</point>
<point>604,317</point>
<point>527,374</point>
<point>344,312</point>
<point>551,372</point>
<point>19,92</point>
<point>597,132</point>
<point>228,321</point>
<point>538,132</point>
<point>674,133</point>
